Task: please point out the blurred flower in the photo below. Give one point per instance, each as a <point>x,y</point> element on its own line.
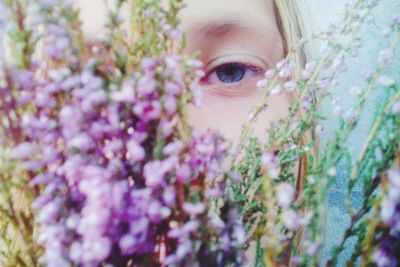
<point>285,194</point>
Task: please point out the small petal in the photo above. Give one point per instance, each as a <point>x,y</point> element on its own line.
<point>23,151</point>
<point>385,80</point>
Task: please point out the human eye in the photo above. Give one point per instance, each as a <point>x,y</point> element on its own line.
<point>231,72</point>
<point>236,74</point>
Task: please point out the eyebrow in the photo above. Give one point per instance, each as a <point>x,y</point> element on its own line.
<point>216,29</point>
<point>219,28</point>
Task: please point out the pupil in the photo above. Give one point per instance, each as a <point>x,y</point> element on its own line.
<point>230,73</point>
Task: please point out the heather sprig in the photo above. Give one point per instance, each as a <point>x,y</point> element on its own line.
<point>119,176</point>
<point>297,228</point>
<point>95,138</point>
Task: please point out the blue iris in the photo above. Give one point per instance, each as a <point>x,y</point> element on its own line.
<point>230,72</point>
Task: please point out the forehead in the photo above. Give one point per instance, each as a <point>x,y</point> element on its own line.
<point>253,14</point>
<point>232,26</point>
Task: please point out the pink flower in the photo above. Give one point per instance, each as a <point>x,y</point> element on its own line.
<point>183,173</point>
<point>291,219</point>
<point>271,163</point>
<point>135,151</point>
<point>285,194</point>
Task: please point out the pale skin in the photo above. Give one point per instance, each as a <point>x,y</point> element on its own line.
<point>245,35</point>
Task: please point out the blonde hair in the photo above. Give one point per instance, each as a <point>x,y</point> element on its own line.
<point>292,29</point>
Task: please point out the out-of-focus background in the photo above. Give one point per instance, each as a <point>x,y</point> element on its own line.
<point>319,14</point>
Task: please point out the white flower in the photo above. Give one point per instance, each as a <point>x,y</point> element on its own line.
<point>332,171</point>
<point>290,86</point>
<point>384,56</point>
<point>196,64</point>
<point>270,74</point>
<point>386,32</point>
<point>355,90</point>
<point>337,110</point>
<point>396,108</point>
<point>276,90</point>
<point>262,83</point>
<point>350,116</point>
<point>385,80</point>
<point>387,210</point>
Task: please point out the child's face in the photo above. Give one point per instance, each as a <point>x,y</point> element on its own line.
<point>239,41</point>
<point>243,33</point>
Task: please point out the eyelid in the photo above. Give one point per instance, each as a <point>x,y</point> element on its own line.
<point>245,59</point>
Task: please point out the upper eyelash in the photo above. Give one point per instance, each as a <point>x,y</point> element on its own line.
<point>247,66</point>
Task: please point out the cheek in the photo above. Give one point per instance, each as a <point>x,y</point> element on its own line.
<point>227,115</point>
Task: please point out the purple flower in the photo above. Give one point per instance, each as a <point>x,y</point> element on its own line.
<point>96,250</point>
<point>23,151</point>
<point>135,151</point>
<point>127,244</point>
<point>146,85</point>
<point>149,65</point>
<point>194,209</point>
<point>148,110</point>
<point>82,142</point>
<point>126,93</point>
<point>154,174</point>
<point>173,88</point>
